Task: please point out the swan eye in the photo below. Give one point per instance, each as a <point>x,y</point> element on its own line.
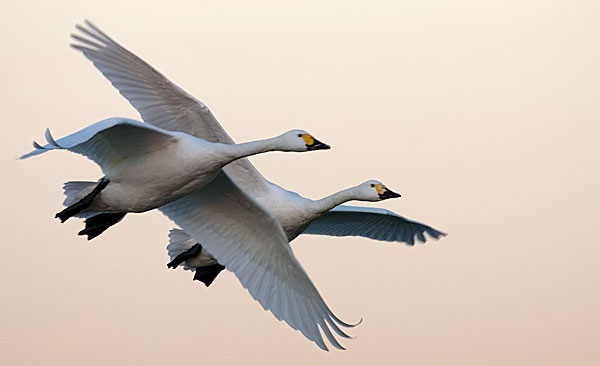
<point>372,185</point>
<point>299,135</point>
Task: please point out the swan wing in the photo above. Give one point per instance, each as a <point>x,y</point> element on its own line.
<point>373,223</point>
<point>110,141</point>
<point>159,101</point>
<point>243,237</point>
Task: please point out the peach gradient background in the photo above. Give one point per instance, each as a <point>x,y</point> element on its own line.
<point>484,115</point>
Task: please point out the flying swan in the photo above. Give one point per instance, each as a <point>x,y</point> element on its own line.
<point>146,167</point>
<point>164,104</point>
<point>241,234</point>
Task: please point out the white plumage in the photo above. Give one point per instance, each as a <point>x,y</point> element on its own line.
<point>257,252</point>
<point>269,271</point>
<point>147,166</point>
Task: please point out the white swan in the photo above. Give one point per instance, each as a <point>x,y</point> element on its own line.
<point>162,103</point>
<point>258,253</point>
<point>299,215</point>
<point>146,163</point>
<point>146,167</point>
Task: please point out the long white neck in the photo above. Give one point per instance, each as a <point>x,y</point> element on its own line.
<point>327,203</point>
<point>237,151</point>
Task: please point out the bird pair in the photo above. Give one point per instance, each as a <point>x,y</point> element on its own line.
<point>182,162</point>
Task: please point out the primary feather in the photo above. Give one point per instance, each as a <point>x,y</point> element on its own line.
<point>371,222</point>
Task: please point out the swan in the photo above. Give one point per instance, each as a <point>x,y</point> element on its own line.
<point>162,103</point>
<point>146,167</point>
<point>157,100</point>
<point>154,166</point>
<point>319,217</point>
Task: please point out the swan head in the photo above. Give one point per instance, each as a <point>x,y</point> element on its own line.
<point>374,190</point>
<point>300,140</point>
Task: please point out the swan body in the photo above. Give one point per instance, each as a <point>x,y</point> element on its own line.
<point>209,205</point>
<point>258,253</point>
<point>147,167</point>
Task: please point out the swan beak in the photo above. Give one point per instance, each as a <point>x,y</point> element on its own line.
<point>388,194</point>
<point>317,145</point>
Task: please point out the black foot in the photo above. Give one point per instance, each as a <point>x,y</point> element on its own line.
<point>83,203</point>
<point>208,274</point>
<point>188,254</point>
<point>96,225</point>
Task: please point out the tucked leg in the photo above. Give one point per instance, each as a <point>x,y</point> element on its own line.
<point>96,225</point>
<point>208,274</point>
<point>83,203</point>
<point>188,254</point>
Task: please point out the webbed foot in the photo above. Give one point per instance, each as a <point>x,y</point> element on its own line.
<point>208,274</point>
<point>96,225</point>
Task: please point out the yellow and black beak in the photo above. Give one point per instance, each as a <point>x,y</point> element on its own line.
<point>385,193</point>
<point>389,194</point>
<point>314,144</point>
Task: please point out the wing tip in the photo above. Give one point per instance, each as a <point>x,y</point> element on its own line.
<point>89,23</point>
<point>347,325</point>
<point>436,234</point>
<point>50,139</point>
<point>38,148</point>
<point>321,345</point>
<point>30,154</point>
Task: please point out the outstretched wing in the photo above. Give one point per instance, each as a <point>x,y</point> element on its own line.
<point>243,237</point>
<point>159,101</point>
<point>373,223</point>
<point>109,141</point>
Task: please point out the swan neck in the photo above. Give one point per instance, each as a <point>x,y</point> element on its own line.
<point>245,149</point>
<point>327,203</point>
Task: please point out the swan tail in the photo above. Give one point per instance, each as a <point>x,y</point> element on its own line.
<point>179,244</point>
<point>76,190</point>
<point>186,252</point>
<point>80,197</point>
<point>189,254</point>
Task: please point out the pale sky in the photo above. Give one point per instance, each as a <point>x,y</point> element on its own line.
<point>484,115</point>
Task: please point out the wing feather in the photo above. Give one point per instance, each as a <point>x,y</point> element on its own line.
<point>109,141</point>
<point>159,101</point>
<point>373,223</point>
<point>248,241</point>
